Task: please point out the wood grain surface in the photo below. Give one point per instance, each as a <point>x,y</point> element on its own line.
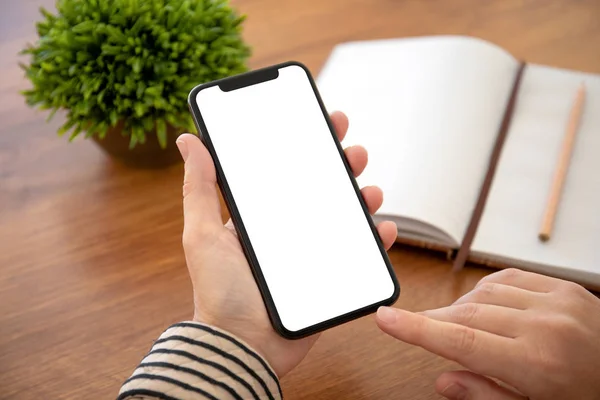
<point>91,265</point>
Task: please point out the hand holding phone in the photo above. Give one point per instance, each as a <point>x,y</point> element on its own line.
<point>288,186</point>
<point>225,293</point>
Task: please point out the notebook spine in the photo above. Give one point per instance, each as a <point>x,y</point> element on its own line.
<point>465,248</point>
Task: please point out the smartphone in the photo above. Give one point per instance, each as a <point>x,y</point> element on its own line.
<point>307,234</point>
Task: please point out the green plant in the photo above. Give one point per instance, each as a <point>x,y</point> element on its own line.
<point>135,61</point>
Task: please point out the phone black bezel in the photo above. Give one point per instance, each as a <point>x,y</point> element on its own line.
<point>256,77</point>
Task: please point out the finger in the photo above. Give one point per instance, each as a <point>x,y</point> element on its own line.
<point>373,197</point>
<point>524,280</point>
<point>387,233</point>
<point>459,385</point>
<point>498,320</point>
<point>340,124</point>
<point>357,158</point>
<point>500,295</point>
<point>201,207</point>
<point>479,351</point>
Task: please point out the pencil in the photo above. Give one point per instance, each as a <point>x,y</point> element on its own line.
<point>562,165</point>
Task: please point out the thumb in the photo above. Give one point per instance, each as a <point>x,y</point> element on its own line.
<point>201,207</point>
<point>462,385</point>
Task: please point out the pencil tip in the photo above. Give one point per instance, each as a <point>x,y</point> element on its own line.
<point>544,237</point>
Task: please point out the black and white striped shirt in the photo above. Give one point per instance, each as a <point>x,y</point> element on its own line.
<point>196,361</point>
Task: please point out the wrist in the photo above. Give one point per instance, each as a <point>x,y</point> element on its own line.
<point>245,334</point>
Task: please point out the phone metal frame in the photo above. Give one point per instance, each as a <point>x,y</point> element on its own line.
<point>252,78</point>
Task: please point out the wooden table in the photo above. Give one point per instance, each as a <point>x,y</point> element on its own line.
<point>91,266</point>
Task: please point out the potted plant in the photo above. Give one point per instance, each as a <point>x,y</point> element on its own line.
<point>121,70</point>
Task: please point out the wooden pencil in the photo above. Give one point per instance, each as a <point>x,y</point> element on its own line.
<point>562,166</point>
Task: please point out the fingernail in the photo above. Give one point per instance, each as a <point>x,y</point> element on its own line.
<point>454,391</point>
<point>386,314</point>
<point>182,149</point>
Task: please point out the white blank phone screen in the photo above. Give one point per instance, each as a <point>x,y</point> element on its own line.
<point>302,215</point>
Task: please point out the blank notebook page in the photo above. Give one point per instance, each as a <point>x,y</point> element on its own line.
<point>513,215</point>
<point>427,110</point>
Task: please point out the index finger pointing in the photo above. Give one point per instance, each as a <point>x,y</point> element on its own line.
<point>479,351</point>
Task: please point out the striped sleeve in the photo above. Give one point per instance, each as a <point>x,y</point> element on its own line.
<point>196,361</point>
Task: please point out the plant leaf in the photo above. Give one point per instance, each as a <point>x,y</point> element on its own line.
<point>51,115</point>
<point>66,126</point>
<point>161,132</point>
<point>132,141</point>
<point>113,117</point>
<point>76,132</point>
<point>137,65</point>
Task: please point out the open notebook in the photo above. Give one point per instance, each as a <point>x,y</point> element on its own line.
<point>429,112</point>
